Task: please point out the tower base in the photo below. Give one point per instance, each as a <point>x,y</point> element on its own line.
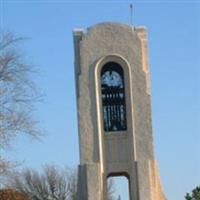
<point>90,179</point>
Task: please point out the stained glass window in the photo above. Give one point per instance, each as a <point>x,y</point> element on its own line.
<point>113,97</point>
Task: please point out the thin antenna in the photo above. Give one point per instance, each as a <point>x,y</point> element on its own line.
<point>131,16</point>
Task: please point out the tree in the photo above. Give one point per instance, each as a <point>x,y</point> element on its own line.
<point>195,194</point>
<point>119,198</point>
<point>9,194</point>
<point>110,189</point>
<point>51,184</point>
<point>17,94</point>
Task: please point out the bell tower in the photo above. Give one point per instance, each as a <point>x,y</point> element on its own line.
<point>114,111</point>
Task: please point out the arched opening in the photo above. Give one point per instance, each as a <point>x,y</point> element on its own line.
<point>118,187</point>
<point>113,97</point>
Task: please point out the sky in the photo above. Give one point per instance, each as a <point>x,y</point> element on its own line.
<point>174,61</point>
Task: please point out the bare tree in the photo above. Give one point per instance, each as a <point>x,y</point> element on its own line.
<point>72,184</point>
<point>110,189</point>
<point>51,184</point>
<point>17,94</point>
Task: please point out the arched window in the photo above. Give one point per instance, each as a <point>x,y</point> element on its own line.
<point>113,97</point>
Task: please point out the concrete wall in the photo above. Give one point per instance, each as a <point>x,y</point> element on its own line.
<point>102,154</point>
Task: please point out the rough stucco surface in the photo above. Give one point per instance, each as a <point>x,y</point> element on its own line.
<point>101,154</point>
<point>155,186</point>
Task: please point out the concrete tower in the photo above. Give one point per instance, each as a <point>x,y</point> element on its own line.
<point>114,111</point>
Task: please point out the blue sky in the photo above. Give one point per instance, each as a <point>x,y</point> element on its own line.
<point>174,46</point>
